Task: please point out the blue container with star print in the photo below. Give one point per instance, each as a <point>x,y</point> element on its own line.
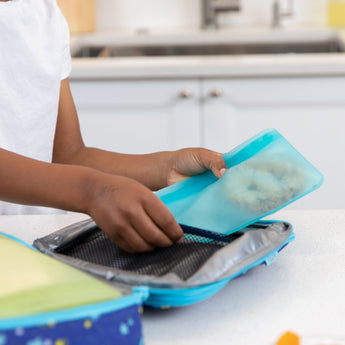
<point>44,301</point>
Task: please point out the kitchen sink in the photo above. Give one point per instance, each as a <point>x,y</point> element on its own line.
<point>236,48</point>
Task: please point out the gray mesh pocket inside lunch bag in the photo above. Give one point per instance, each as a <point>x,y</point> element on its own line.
<point>202,258</point>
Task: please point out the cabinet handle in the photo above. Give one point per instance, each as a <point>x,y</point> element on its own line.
<point>216,92</point>
<point>186,93</point>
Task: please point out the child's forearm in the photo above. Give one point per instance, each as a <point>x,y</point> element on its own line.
<point>31,182</point>
<point>148,169</point>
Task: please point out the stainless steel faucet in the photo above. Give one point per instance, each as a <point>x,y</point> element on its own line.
<point>210,9</point>
<point>278,14</point>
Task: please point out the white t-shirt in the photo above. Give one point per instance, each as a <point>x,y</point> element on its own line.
<point>34,58</point>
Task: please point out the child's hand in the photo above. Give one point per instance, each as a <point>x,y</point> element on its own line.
<point>193,161</point>
<point>131,215</point>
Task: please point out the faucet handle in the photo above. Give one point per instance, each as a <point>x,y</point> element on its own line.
<point>210,9</point>
<point>277,13</point>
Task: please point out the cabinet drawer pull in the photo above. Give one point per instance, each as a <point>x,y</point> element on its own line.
<point>186,93</point>
<point>216,92</point>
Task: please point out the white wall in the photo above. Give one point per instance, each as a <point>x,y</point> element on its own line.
<point>138,14</point>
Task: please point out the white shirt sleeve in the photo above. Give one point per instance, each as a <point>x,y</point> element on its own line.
<point>66,53</point>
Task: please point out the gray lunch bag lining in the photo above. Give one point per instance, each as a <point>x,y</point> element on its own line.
<point>202,258</point>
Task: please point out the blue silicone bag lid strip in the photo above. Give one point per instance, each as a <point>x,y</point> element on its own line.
<point>265,174</point>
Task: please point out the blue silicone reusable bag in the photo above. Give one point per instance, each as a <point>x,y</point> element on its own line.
<point>265,173</point>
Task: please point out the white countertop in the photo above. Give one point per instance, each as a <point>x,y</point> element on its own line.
<point>239,66</point>
<point>302,291</point>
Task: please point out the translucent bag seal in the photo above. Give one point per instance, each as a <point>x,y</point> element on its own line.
<point>265,173</point>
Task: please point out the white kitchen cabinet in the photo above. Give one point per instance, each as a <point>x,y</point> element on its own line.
<point>309,112</point>
<point>138,116</point>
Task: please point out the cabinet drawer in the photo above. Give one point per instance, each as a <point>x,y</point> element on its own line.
<point>130,93</point>
<point>278,91</point>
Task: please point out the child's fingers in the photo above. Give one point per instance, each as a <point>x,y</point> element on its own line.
<point>164,220</point>
<point>119,229</point>
<point>124,245</point>
<point>126,238</point>
<point>150,231</point>
<point>136,242</point>
<point>213,161</point>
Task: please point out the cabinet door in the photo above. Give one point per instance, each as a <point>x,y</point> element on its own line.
<point>138,116</point>
<point>309,112</point>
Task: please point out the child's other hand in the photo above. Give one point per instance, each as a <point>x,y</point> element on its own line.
<point>131,215</point>
<point>193,161</point>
